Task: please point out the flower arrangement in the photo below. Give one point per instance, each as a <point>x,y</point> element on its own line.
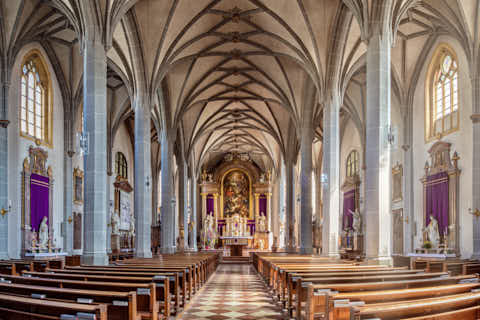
<point>427,245</point>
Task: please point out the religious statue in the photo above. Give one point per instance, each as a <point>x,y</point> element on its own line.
<point>261,223</point>
<point>34,241</point>
<point>432,232</point>
<point>209,232</point>
<point>43,234</point>
<point>268,175</point>
<point>204,175</point>
<point>357,221</point>
<point>115,221</point>
<point>131,231</point>
<point>262,178</point>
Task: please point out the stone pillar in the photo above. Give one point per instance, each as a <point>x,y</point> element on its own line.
<point>68,203</point>
<point>281,207</point>
<point>269,221</point>
<point>110,209</point>
<point>168,219</point>
<point>143,178</point>
<point>476,164</point>
<point>95,160</point>
<point>290,205</point>
<point>204,205</point>
<point>331,185</point>
<point>182,215</point>
<point>377,152</point>
<point>4,170</point>
<point>215,206</point>
<point>193,208</point>
<point>306,246</point>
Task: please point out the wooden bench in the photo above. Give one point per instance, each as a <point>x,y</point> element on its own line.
<point>24,308</point>
<point>147,301</point>
<point>318,296</point>
<point>120,305</point>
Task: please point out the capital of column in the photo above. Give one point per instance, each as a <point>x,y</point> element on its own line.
<point>475,118</point>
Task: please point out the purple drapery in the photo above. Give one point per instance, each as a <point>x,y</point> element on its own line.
<point>210,205</point>
<point>220,226</point>
<point>262,205</point>
<point>251,226</point>
<point>348,204</point>
<point>437,200</point>
<point>39,199</point>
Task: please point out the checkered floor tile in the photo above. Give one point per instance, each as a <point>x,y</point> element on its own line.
<point>233,292</point>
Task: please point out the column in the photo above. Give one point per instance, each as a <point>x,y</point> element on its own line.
<point>476,164</point>
<point>111,209</point>
<point>215,206</point>
<point>95,159</point>
<point>269,221</point>
<point>204,205</point>
<point>290,206</point>
<point>168,232</point>
<point>4,170</point>
<point>331,185</point>
<point>281,207</point>
<point>306,182</point>
<point>182,214</point>
<point>143,178</point>
<point>377,151</point>
<point>68,201</point>
<point>193,208</point>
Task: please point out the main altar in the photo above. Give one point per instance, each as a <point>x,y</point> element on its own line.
<point>236,206</point>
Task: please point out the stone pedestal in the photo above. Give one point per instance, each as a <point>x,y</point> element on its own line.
<point>115,242</point>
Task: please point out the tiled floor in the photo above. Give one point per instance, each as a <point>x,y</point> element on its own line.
<point>233,292</point>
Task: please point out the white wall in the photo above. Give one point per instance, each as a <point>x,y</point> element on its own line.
<point>460,140</point>
<point>18,151</point>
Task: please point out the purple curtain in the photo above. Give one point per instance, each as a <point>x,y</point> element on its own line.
<point>262,205</point>
<point>39,198</point>
<point>437,200</point>
<point>251,226</point>
<point>220,226</point>
<point>348,204</point>
<point>210,205</point>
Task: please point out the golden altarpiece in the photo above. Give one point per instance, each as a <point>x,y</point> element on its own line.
<point>236,205</point>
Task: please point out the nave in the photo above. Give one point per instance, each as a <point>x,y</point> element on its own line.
<point>235,291</point>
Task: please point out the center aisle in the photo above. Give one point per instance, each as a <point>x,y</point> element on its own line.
<point>234,291</point>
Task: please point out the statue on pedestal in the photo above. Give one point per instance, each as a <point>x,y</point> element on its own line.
<point>261,223</point>
<point>432,232</point>
<point>357,221</point>
<point>209,232</point>
<point>43,234</point>
<point>115,237</point>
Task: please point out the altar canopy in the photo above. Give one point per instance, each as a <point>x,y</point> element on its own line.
<point>39,199</point>
<point>348,204</point>
<point>437,200</point>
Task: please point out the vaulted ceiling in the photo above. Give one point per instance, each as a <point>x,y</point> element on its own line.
<point>233,73</point>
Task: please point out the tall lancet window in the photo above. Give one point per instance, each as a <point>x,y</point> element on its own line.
<point>352,164</point>
<point>442,97</point>
<point>35,101</point>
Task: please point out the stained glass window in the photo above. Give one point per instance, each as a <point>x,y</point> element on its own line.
<point>443,113</point>
<point>121,167</point>
<point>352,164</point>
<point>33,103</point>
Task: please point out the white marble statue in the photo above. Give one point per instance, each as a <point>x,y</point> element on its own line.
<point>115,222</point>
<point>357,221</point>
<point>432,231</point>
<point>261,223</point>
<point>131,230</point>
<point>43,234</point>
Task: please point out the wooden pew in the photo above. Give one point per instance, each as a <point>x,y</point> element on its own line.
<point>24,308</point>
<point>146,292</point>
<point>168,281</point>
<point>115,310</point>
<point>416,308</point>
<point>318,296</point>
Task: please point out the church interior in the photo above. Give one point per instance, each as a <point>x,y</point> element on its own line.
<point>239,159</point>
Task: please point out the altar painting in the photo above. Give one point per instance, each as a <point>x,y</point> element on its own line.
<point>236,194</point>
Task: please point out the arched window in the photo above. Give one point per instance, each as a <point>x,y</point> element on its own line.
<point>442,95</point>
<point>121,167</point>
<point>352,164</point>
<point>35,99</point>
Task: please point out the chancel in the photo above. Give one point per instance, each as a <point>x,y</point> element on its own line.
<point>240,159</point>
